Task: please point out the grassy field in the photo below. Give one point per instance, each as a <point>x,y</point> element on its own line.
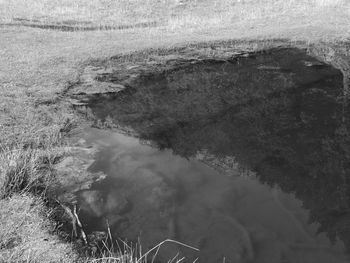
<point>37,65</point>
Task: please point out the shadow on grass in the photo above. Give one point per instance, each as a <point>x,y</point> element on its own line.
<point>78,26</point>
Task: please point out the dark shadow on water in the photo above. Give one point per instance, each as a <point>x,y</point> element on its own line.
<point>280,113</point>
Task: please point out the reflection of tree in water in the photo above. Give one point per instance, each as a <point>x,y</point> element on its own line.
<point>286,123</point>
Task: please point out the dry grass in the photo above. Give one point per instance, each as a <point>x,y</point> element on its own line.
<point>169,13</point>
<point>132,253</point>
<point>37,65</point>
<point>25,233</point>
<point>30,144</point>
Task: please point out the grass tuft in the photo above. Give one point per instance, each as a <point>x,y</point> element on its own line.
<point>28,153</point>
<point>25,170</point>
<point>132,253</point>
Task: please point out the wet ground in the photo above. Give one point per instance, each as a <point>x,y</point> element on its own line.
<point>246,159</point>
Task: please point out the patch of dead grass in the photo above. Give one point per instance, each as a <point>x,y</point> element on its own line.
<point>169,13</point>
<point>25,233</point>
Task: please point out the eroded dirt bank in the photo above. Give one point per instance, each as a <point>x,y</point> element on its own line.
<point>112,75</point>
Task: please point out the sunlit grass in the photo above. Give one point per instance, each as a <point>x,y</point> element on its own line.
<point>31,140</point>
<point>30,145</point>
<point>26,232</point>
<point>168,13</point>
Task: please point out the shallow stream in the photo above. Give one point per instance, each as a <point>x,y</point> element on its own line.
<point>246,159</point>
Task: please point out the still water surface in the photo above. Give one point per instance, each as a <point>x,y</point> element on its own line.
<point>280,114</point>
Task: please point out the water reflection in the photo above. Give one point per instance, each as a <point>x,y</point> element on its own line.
<point>280,114</point>
<point>158,195</point>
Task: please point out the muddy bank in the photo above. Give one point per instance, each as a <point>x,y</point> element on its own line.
<point>113,74</point>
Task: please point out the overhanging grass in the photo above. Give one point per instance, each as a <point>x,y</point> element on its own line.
<point>31,141</point>
<point>30,144</point>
